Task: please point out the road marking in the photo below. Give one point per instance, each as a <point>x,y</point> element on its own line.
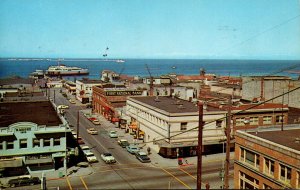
<point>187,173</point>
<point>114,169</point>
<point>70,187</point>
<point>176,178</point>
<point>191,175</point>
<point>83,182</point>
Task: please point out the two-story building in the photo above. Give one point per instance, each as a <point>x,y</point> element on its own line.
<point>31,144</point>
<point>170,125</point>
<point>108,98</point>
<point>267,159</point>
<point>84,89</point>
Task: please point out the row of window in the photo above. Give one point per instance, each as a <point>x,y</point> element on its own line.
<point>152,118</point>
<point>253,159</point>
<point>23,143</point>
<point>255,120</point>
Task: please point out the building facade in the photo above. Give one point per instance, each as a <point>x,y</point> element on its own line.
<point>108,98</point>
<point>27,147</point>
<point>268,87</point>
<point>84,89</point>
<point>170,125</point>
<point>267,159</point>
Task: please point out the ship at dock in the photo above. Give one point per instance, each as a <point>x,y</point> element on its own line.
<point>62,70</point>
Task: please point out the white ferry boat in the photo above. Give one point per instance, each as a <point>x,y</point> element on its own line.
<point>65,70</point>
<point>120,61</point>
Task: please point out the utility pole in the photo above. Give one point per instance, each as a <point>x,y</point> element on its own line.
<point>54,97</point>
<point>199,148</point>
<point>77,126</point>
<point>227,132</point>
<point>282,110</point>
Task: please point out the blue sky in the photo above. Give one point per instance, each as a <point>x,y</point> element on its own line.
<point>204,29</point>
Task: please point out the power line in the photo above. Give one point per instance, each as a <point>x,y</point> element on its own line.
<point>258,104</point>
<point>262,32</point>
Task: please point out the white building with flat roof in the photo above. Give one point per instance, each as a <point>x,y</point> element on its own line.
<point>170,125</point>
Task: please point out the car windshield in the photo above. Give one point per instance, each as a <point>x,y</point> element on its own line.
<point>107,154</point>
<point>113,132</point>
<point>144,157</point>
<point>90,155</point>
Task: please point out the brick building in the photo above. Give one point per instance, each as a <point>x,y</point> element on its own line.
<point>107,98</point>
<point>268,159</point>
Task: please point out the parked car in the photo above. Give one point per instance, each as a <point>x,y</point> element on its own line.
<point>91,157</point>
<point>142,156</point>
<point>92,131</point>
<point>92,118</point>
<point>85,149</point>
<point>108,158</point>
<point>72,101</point>
<point>80,140</point>
<point>83,164</point>
<point>62,107</point>
<point>96,122</point>
<point>24,181</point>
<point>132,149</point>
<point>113,134</point>
<point>123,143</point>
<point>88,115</point>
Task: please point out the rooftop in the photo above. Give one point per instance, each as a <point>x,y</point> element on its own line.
<point>14,112</point>
<point>288,138</point>
<point>168,104</point>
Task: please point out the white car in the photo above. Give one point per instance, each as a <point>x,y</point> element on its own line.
<point>91,157</point>
<point>85,149</point>
<point>62,107</point>
<point>108,158</point>
<point>96,122</point>
<point>92,131</point>
<point>113,134</point>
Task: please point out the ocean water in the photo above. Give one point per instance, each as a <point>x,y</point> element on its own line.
<point>157,67</point>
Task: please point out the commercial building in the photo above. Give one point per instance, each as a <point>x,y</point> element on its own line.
<point>84,89</point>
<point>107,98</point>
<point>170,125</point>
<point>30,144</point>
<point>267,159</point>
<point>268,87</point>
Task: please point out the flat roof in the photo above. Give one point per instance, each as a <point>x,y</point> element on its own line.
<point>39,112</point>
<point>286,137</point>
<point>168,104</point>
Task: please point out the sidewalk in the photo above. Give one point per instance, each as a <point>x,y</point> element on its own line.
<point>156,159</point>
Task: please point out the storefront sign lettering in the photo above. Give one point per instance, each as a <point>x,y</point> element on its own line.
<point>123,93</point>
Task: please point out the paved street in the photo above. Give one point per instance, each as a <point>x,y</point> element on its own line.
<point>128,172</point>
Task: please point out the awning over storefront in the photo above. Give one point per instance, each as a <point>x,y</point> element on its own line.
<point>39,160</point>
<point>133,126</point>
<point>11,162</point>
<point>115,119</point>
<point>165,144</point>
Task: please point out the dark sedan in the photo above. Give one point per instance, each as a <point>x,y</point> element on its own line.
<point>24,181</point>
<point>142,156</point>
